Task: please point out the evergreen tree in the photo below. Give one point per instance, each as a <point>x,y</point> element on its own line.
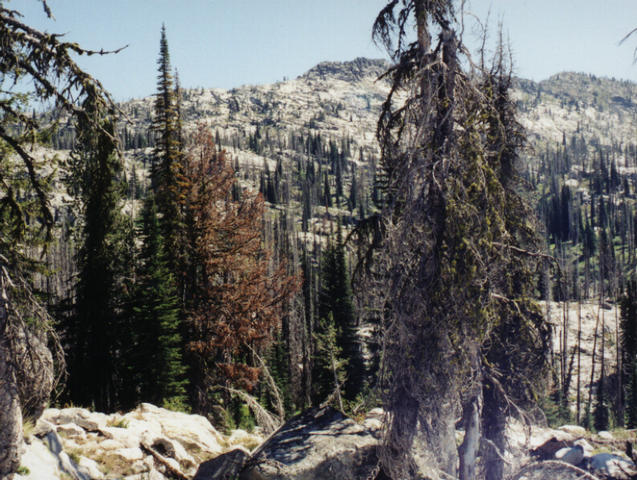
<point>92,331</point>
<point>328,375</point>
<point>520,326</point>
<point>159,371</point>
<point>441,247</point>
<point>167,155</point>
<point>235,302</point>
<point>38,67</point>
<point>628,306</point>
<point>336,311</point>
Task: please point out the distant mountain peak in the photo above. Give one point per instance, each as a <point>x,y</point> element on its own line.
<point>350,71</point>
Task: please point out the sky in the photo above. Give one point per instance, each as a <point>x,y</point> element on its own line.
<point>229,43</point>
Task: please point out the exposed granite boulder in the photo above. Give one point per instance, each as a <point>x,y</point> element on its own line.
<point>225,467</point>
<point>148,443</point>
<point>320,443</point>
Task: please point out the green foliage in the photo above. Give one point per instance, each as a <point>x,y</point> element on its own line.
<point>94,346</point>
<point>328,373</point>
<point>159,371</point>
<point>243,418</point>
<point>23,471</point>
<point>167,156</point>
<point>336,311</point>
<point>556,411</point>
<point>120,423</point>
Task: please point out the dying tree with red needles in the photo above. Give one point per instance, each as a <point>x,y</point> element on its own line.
<point>234,296</point>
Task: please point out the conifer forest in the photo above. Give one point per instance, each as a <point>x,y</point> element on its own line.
<point>429,237</point>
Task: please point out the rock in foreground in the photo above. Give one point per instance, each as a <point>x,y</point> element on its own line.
<point>146,443</point>
<point>319,443</point>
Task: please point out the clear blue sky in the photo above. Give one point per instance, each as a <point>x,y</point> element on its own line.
<point>228,43</point>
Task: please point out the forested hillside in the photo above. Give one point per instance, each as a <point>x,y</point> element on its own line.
<point>308,146</point>
<point>428,235</point>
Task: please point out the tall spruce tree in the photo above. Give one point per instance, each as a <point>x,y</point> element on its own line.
<point>336,312</point>
<point>158,369</point>
<point>520,325</point>
<point>39,67</point>
<point>166,165</point>
<point>92,332</point>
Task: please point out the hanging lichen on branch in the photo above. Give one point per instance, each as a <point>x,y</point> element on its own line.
<point>436,248</point>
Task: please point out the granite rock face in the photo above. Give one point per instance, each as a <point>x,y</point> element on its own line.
<point>146,443</point>
<point>224,467</point>
<point>320,443</point>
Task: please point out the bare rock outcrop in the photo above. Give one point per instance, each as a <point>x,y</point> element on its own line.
<point>148,442</point>
<point>224,467</point>
<point>320,443</point>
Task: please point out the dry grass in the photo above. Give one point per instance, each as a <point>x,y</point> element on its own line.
<point>28,427</point>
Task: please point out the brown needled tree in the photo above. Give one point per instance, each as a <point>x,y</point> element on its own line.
<point>235,299</point>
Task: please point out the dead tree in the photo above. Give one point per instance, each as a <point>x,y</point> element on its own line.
<point>441,249</point>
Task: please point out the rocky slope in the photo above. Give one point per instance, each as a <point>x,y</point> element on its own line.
<point>152,443</point>
<point>146,443</point>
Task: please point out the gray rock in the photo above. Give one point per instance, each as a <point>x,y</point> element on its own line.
<point>320,443</point>
<point>90,469</point>
<point>223,467</point>
<point>573,455</point>
<point>612,465</point>
<point>71,430</point>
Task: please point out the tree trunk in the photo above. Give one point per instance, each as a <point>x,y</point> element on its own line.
<point>468,450</point>
<point>10,413</point>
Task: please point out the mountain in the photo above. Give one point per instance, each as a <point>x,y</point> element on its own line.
<point>309,145</point>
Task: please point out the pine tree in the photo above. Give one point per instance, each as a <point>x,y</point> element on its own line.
<point>328,375</point>
<point>91,332</point>
<point>167,155</point>
<point>521,327</point>
<point>336,311</point>
<point>158,369</point>
<point>441,247</point>
<point>42,68</point>
<point>234,302</point>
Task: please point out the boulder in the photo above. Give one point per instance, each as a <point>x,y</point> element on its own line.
<point>193,432</point>
<point>611,465</point>
<point>604,435</point>
<point>46,460</point>
<point>575,430</point>
<point>170,448</point>
<point>320,443</point>
<point>573,455</point>
<point>89,421</point>
<point>90,468</point>
<point>39,462</point>
<point>549,470</point>
<point>224,467</point>
<point>42,427</point>
<point>71,430</point>
<point>586,447</point>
